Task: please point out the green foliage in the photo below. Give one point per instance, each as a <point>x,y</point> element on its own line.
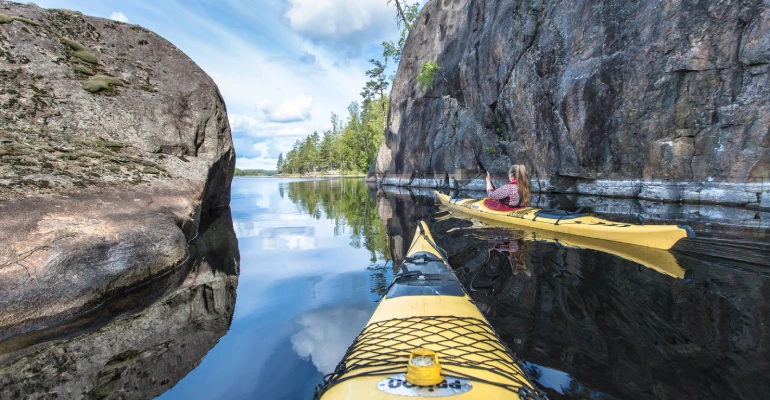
<point>348,148</point>
<point>427,73</point>
<point>279,164</point>
<point>352,146</point>
<point>491,150</point>
<point>394,50</point>
<point>101,82</point>
<point>377,84</point>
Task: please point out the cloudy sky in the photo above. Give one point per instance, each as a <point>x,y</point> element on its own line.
<point>283,66</point>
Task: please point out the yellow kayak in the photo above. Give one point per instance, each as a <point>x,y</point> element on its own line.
<point>657,236</point>
<point>427,339</point>
<point>658,260</point>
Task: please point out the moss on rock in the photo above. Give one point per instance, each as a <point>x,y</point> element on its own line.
<point>79,51</point>
<point>101,82</point>
<point>113,144</point>
<point>5,18</point>
<point>84,70</point>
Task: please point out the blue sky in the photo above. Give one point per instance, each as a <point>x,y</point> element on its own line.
<point>283,66</point>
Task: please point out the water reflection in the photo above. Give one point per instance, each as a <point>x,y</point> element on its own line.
<point>326,335</point>
<point>349,205</point>
<point>315,259</point>
<point>313,255</point>
<point>147,351</point>
<point>594,323</point>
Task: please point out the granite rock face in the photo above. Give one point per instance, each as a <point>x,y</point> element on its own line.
<point>114,147</point>
<point>659,100</point>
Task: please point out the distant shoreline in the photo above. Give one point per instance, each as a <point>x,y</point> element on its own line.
<point>303,176</point>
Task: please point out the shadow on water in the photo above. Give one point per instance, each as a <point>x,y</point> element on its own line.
<point>133,346</point>
<point>595,324</point>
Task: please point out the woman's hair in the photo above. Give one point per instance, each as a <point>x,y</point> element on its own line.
<point>519,172</point>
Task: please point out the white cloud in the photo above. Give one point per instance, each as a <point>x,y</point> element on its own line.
<point>118,16</point>
<point>326,335</point>
<point>262,149</point>
<point>346,24</point>
<point>256,163</point>
<point>289,111</point>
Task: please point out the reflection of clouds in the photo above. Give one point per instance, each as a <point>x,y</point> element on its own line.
<point>273,238</point>
<point>326,335</point>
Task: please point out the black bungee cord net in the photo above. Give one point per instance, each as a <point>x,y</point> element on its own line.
<point>383,349</point>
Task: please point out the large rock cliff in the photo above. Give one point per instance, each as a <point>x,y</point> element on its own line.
<point>114,148</point>
<point>656,99</point>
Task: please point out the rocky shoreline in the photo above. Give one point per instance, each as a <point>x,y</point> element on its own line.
<point>753,196</point>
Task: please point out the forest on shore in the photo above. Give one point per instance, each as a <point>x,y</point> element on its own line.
<point>351,146</point>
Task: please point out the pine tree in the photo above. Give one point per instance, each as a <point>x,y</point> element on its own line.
<point>377,85</point>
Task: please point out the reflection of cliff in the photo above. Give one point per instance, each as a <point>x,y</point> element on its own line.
<point>142,355</point>
<point>400,211</point>
<point>612,324</point>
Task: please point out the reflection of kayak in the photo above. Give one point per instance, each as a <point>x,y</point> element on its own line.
<point>427,312</point>
<point>656,259</point>
<point>658,236</point>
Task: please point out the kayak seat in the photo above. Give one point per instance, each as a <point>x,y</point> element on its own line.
<point>497,206</point>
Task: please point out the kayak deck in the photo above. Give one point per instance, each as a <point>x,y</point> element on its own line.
<point>657,236</point>
<point>426,307</point>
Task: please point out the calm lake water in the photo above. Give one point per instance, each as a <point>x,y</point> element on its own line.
<point>316,256</point>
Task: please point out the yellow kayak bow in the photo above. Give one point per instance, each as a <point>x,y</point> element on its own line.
<point>427,339</point>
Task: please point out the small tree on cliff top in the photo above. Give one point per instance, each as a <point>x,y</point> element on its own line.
<point>427,73</point>
<point>405,20</point>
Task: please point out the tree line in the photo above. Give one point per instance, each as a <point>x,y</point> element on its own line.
<point>351,146</point>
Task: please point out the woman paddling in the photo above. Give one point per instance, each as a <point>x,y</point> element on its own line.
<point>515,193</point>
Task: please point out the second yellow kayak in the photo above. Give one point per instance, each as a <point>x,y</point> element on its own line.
<point>657,236</point>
